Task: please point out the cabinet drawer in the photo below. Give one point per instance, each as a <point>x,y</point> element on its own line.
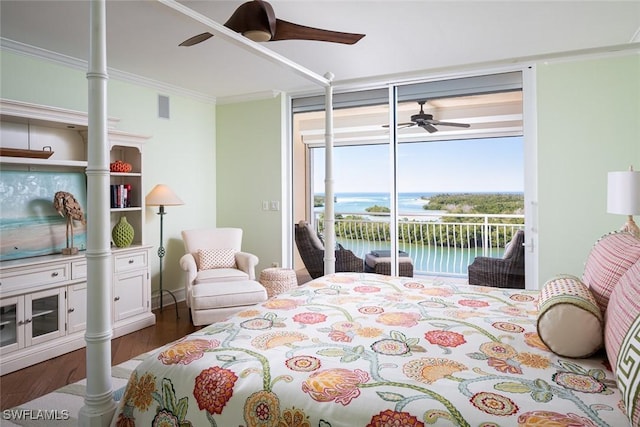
<point>36,276</point>
<point>132,261</point>
<point>79,270</point>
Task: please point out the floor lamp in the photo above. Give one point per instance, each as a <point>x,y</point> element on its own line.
<point>162,196</point>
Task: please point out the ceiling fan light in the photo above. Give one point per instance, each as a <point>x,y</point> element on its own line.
<point>257,35</point>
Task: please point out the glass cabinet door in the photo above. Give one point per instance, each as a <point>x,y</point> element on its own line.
<point>44,319</point>
<point>11,324</point>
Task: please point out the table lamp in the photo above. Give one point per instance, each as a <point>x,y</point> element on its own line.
<point>623,197</point>
<point>162,196</point>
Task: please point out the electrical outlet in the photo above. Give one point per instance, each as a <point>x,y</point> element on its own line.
<point>275,205</point>
<point>275,264</point>
<point>265,205</point>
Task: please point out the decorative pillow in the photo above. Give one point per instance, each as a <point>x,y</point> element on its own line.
<point>313,236</point>
<point>569,320</point>
<point>609,259</point>
<point>624,307</point>
<point>628,372</point>
<point>216,258</point>
<point>512,247</point>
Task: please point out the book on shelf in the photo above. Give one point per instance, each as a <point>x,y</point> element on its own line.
<point>120,195</point>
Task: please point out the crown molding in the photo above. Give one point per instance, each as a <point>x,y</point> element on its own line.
<point>79,64</point>
<point>50,115</point>
<point>248,97</point>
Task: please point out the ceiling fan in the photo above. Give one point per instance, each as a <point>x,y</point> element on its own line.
<point>257,21</point>
<point>427,122</point>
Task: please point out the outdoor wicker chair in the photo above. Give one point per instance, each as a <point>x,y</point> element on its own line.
<point>311,250</point>
<point>505,272</point>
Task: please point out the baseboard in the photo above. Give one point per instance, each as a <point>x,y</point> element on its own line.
<point>166,298</point>
<point>133,323</point>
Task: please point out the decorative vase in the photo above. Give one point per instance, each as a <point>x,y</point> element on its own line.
<point>122,233</point>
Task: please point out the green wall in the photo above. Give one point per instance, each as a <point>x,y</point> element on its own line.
<point>180,152</point>
<point>249,168</point>
<point>588,113</point>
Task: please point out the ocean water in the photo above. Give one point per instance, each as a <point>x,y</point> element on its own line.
<point>408,203</point>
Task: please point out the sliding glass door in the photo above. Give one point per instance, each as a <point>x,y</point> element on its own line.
<point>427,176</point>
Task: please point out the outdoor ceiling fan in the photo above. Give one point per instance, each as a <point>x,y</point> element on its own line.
<point>257,21</point>
<point>427,122</point>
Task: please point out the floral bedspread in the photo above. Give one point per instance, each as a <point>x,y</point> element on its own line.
<point>355,349</point>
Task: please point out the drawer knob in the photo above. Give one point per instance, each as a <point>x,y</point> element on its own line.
<point>27,321</point>
<point>71,310</point>
<point>131,261</point>
<point>54,274</point>
<point>116,299</point>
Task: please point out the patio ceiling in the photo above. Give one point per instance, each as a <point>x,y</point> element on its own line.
<point>497,114</point>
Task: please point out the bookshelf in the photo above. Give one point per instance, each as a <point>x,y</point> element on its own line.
<point>43,300</point>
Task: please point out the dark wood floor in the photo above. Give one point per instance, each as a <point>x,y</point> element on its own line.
<point>37,380</point>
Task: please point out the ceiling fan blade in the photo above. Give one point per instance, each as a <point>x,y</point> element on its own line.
<point>405,125</point>
<point>196,39</point>
<point>402,125</point>
<point>289,31</point>
<point>460,125</point>
<point>428,127</point>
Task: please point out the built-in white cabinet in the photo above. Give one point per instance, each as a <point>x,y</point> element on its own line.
<point>131,288</point>
<point>43,299</point>
<point>43,304</point>
<point>77,308</point>
<point>42,313</point>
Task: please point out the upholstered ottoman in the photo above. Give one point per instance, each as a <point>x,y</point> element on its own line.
<point>212,302</point>
<point>380,262</point>
<point>278,280</point>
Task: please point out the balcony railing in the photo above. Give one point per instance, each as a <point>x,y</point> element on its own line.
<point>439,244</point>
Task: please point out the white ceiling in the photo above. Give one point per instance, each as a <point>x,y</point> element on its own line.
<point>402,38</point>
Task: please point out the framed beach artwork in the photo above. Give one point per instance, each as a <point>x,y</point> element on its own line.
<point>29,225</point>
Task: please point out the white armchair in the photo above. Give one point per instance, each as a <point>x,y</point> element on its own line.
<point>220,278</point>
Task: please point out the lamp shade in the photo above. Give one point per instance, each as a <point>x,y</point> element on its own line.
<point>161,195</point>
<point>623,192</point>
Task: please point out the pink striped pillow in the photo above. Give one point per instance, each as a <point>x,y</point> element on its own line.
<point>608,260</point>
<point>624,307</point>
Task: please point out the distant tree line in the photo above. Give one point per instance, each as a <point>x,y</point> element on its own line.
<point>489,203</point>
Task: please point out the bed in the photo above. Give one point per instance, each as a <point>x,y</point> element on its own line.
<point>362,349</point>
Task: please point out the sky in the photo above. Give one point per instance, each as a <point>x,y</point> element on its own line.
<point>472,165</point>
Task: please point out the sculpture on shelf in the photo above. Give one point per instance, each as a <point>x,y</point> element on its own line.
<point>67,206</point>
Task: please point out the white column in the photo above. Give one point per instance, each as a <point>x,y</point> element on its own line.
<point>329,215</point>
<point>393,179</point>
<point>99,405</point>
